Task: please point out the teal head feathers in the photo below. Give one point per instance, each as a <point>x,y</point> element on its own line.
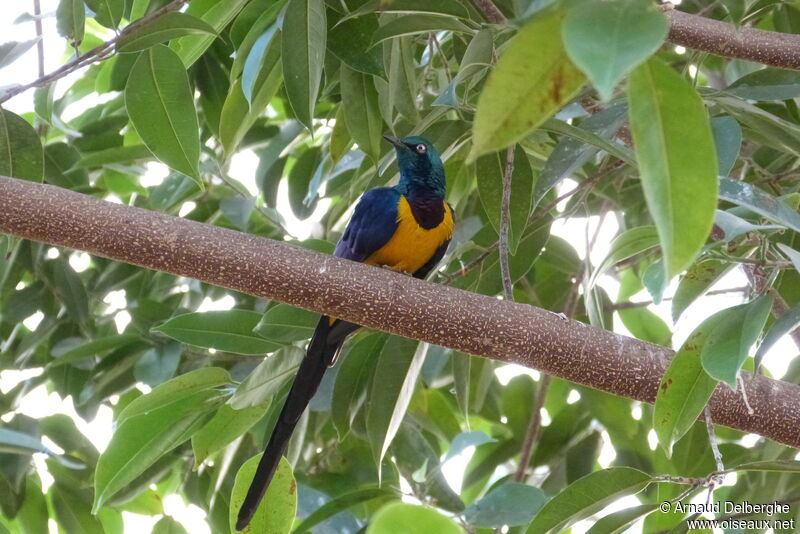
<point>420,165</point>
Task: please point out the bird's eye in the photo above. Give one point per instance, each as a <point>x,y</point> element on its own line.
<point>421,148</point>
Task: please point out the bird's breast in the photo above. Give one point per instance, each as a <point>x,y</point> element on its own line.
<point>417,236</point>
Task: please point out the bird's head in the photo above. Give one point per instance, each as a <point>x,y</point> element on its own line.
<point>419,162</point>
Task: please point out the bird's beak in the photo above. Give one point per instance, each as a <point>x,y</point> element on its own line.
<point>395,141</point>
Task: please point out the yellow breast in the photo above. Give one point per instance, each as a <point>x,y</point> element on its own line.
<point>412,246</point>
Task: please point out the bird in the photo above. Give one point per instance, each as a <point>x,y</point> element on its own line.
<point>405,228</point>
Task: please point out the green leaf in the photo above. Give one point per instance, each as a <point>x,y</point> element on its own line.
<point>755,199</point>
<point>729,341</point>
<point>344,502</point>
<point>71,291</point>
<point>626,245</point>
<point>109,156</point>
<point>785,324</point>
<point>607,40</point>
<point>351,41</point>
<point>355,370</point>
<point>399,365</point>
<point>402,518</point>
<point>698,279</point>
<point>218,15</point>
<point>463,440</point>
<point>453,8</point>
<point>258,61</point>
<point>490,170</point>
<point>418,23</point>
<point>142,439</point>
<point>226,425</point>
<point>43,102</point>
<point>792,254</point>
<point>21,153</point>
<point>158,365</point>
<point>262,25</point>
<point>677,160</point>
<point>646,325</point>
<point>71,19</point>
<point>619,522</point>
<point>230,331</point>
<point>728,141</point>
<point>16,442</point>
<point>237,114</point>
<point>361,112</point>
<point>72,511</point>
<point>78,348</point>
<point>167,525</point>
<point>587,496</point>
<point>300,178</point>
<point>777,466</point>
<point>9,52</point>
<point>161,108</point>
<point>476,60</point>
<point>685,388</point>
<point>589,137</point>
<point>511,504</point>
<point>571,153</point>
<point>733,226</point>
<point>304,37</point>
<point>402,80</point>
<point>59,159</point>
<point>175,390</point>
<point>164,28</point>
<point>767,84</point>
<point>532,80</point>
<point>266,380</point>
<point>107,12</point>
<point>286,324</point>
<point>276,511</point>
<point>780,133</point>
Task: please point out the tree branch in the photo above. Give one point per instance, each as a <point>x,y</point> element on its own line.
<point>727,40</point>
<point>97,53</point>
<point>505,216</point>
<point>378,298</point>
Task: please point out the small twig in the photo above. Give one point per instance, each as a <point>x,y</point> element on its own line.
<point>441,56</point>
<point>540,213</point>
<point>490,11</point>
<point>645,303</point>
<point>94,55</point>
<point>533,430</point>
<point>740,381</point>
<point>37,22</point>
<point>714,479</point>
<point>505,206</point>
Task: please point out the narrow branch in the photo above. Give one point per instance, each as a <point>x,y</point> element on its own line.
<point>505,207</point>
<point>94,55</point>
<point>490,11</point>
<point>533,430</point>
<point>646,303</point>
<point>378,298</point>
<point>37,23</point>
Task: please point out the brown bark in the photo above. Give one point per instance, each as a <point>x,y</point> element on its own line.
<point>725,39</point>
<point>377,298</point>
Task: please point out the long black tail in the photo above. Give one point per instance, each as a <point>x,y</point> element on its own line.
<point>321,353</point>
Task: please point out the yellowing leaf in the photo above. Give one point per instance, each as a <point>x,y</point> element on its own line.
<point>533,79</point>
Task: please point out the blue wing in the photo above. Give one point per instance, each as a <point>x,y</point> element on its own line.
<point>372,225</point>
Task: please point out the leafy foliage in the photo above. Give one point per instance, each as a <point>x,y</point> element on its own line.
<point>694,157</point>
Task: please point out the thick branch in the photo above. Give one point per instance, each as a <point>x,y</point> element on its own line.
<point>378,298</point>
<point>724,39</point>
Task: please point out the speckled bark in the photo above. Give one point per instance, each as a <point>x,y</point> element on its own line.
<point>377,298</point>
<point>728,40</point>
